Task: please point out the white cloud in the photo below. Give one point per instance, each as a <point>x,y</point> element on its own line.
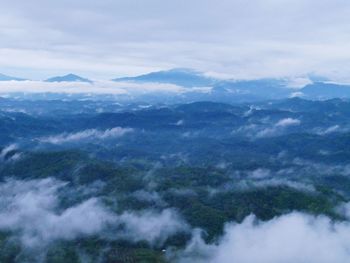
<point>297,83</point>
<point>179,122</point>
<point>6,150</point>
<point>296,94</point>
<point>278,127</point>
<point>260,173</point>
<point>98,87</point>
<point>287,122</point>
<point>331,129</point>
<point>265,128</point>
<point>154,227</point>
<point>292,238</point>
<point>307,166</point>
<point>31,210</point>
<point>90,134</point>
<point>274,182</point>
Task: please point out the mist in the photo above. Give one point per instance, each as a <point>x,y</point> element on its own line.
<point>291,238</point>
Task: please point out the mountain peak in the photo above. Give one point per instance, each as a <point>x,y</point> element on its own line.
<point>183,70</point>
<point>68,78</point>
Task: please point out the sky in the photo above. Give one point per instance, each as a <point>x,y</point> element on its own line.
<point>105,39</point>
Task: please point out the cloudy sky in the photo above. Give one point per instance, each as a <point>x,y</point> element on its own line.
<point>235,38</point>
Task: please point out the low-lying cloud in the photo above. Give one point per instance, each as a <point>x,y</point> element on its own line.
<point>89,134</point>
<point>277,128</point>
<point>7,150</point>
<point>31,211</point>
<point>292,238</point>
<point>265,128</point>
<point>154,227</point>
<point>331,130</point>
<point>287,122</point>
<point>97,87</point>
<point>275,182</point>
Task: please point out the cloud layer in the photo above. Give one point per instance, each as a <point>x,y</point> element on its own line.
<point>99,87</point>
<point>292,238</point>
<point>86,135</point>
<point>31,211</point>
<point>267,128</point>
<point>233,38</point>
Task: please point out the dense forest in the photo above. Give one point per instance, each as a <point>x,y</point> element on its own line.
<point>91,181</point>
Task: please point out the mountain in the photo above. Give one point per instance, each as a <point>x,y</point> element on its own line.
<point>206,106</point>
<point>334,106</point>
<point>181,77</point>
<point>259,88</point>
<point>68,78</point>
<point>223,90</point>
<point>222,163</point>
<point>317,78</point>
<point>9,78</point>
<point>323,90</point>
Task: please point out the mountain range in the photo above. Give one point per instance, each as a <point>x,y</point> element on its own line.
<point>4,77</point>
<point>68,78</point>
<point>224,90</point>
<point>181,77</point>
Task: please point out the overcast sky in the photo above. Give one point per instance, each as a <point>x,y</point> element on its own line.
<point>234,38</point>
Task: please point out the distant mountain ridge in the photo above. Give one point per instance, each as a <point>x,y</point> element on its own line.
<point>9,78</point>
<point>68,78</point>
<point>222,90</point>
<point>180,76</point>
<point>325,90</point>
